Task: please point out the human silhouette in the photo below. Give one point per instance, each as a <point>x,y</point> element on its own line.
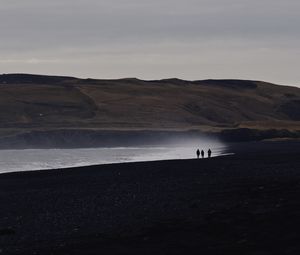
<point>209,153</point>
<point>202,153</point>
<point>198,153</point>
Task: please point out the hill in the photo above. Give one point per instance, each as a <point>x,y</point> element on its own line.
<point>36,103</point>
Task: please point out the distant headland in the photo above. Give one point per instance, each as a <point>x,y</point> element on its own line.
<point>55,111</point>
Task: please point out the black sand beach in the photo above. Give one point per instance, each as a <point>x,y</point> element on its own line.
<point>246,203</point>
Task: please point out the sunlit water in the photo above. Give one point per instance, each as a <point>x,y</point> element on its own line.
<point>40,159</point>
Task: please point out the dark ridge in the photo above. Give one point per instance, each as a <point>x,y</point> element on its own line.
<point>172,81</point>
<point>32,79</point>
<point>129,80</point>
<point>90,80</point>
<point>114,81</point>
<point>231,84</point>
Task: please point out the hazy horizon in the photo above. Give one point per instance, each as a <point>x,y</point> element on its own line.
<point>191,40</point>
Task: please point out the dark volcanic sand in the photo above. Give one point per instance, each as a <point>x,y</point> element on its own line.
<point>242,204</point>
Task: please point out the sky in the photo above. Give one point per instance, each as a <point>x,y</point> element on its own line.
<point>190,39</point>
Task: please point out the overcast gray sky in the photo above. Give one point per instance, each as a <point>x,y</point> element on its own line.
<point>153,39</point>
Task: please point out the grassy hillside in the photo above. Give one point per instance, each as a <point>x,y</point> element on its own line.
<point>32,102</point>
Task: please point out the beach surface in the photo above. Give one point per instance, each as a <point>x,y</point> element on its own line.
<point>247,203</point>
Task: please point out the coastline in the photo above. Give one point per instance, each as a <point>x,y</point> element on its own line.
<point>242,204</point>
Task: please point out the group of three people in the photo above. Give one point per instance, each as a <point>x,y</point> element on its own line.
<point>202,153</point>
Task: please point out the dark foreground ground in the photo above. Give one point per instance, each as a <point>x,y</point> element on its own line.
<point>243,204</point>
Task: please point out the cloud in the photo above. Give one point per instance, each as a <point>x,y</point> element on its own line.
<point>31,61</point>
<point>151,36</point>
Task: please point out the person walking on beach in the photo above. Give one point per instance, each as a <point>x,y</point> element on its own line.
<point>198,153</point>
<point>202,153</point>
<point>209,153</point>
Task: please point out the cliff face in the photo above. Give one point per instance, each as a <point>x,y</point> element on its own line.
<point>43,103</point>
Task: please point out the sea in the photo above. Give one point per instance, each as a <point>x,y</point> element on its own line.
<point>46,159</point>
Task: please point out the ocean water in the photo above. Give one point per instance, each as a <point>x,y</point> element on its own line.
<point>41,159</point>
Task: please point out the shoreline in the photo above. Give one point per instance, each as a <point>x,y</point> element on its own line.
<point>230,149</point>
<point>241,204</point>
<point>117,164</point>
<point>28,160</point>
